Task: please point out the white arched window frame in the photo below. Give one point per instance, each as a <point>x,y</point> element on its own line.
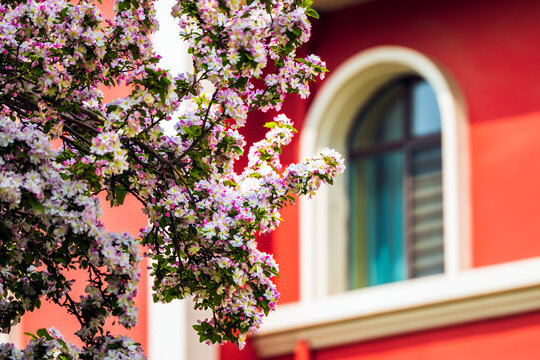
<point>324,230</point>
<point>328,315</point>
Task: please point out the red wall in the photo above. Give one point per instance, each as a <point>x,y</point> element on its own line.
<point>491,51</point>
<point>490,48</point>
<point>505,192</point>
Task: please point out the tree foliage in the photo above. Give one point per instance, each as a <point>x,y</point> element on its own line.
<point>203,215</point>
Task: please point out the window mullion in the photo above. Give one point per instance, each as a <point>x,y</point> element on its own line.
<point>408,182</point>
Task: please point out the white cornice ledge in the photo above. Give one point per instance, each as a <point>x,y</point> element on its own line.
<point>399,308</point>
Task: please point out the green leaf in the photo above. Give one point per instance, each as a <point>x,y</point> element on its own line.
<point>34,337</point>
<point>111,108</point>
<point>64,12</point>
<point>275,272</point>
<point>312,13</point>
<point>230,183</point>
<point>35,204</point>
<point>120,194</point>
<point>215,338</point>
<point>124,5</point>
<point>270,124</point>
<point>162,96</point>
<point>44,333</point>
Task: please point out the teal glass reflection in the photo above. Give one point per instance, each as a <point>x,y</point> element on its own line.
<point>426,118</point>
<point>377,253</point>
<point>382,121</point>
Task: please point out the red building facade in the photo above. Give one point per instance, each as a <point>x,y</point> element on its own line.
<point>481,61</point>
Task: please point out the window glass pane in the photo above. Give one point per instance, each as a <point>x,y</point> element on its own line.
<point>377,220</point>
<point>357,225</point>
<point>396,219</point>
<point>383,119</point>
<point>425,111</point>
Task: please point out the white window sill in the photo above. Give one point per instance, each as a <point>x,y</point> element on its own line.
<point>403,307</point>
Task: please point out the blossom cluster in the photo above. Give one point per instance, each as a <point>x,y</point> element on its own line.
<point>51,345</point>
<point>232,44</point>
<point>50,223</point>
<point>204,216</point>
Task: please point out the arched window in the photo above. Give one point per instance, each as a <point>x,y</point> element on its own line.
<point>381,100</point>
<point>395,186</point>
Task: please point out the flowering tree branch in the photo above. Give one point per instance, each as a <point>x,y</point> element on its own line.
<point>203,215</point>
